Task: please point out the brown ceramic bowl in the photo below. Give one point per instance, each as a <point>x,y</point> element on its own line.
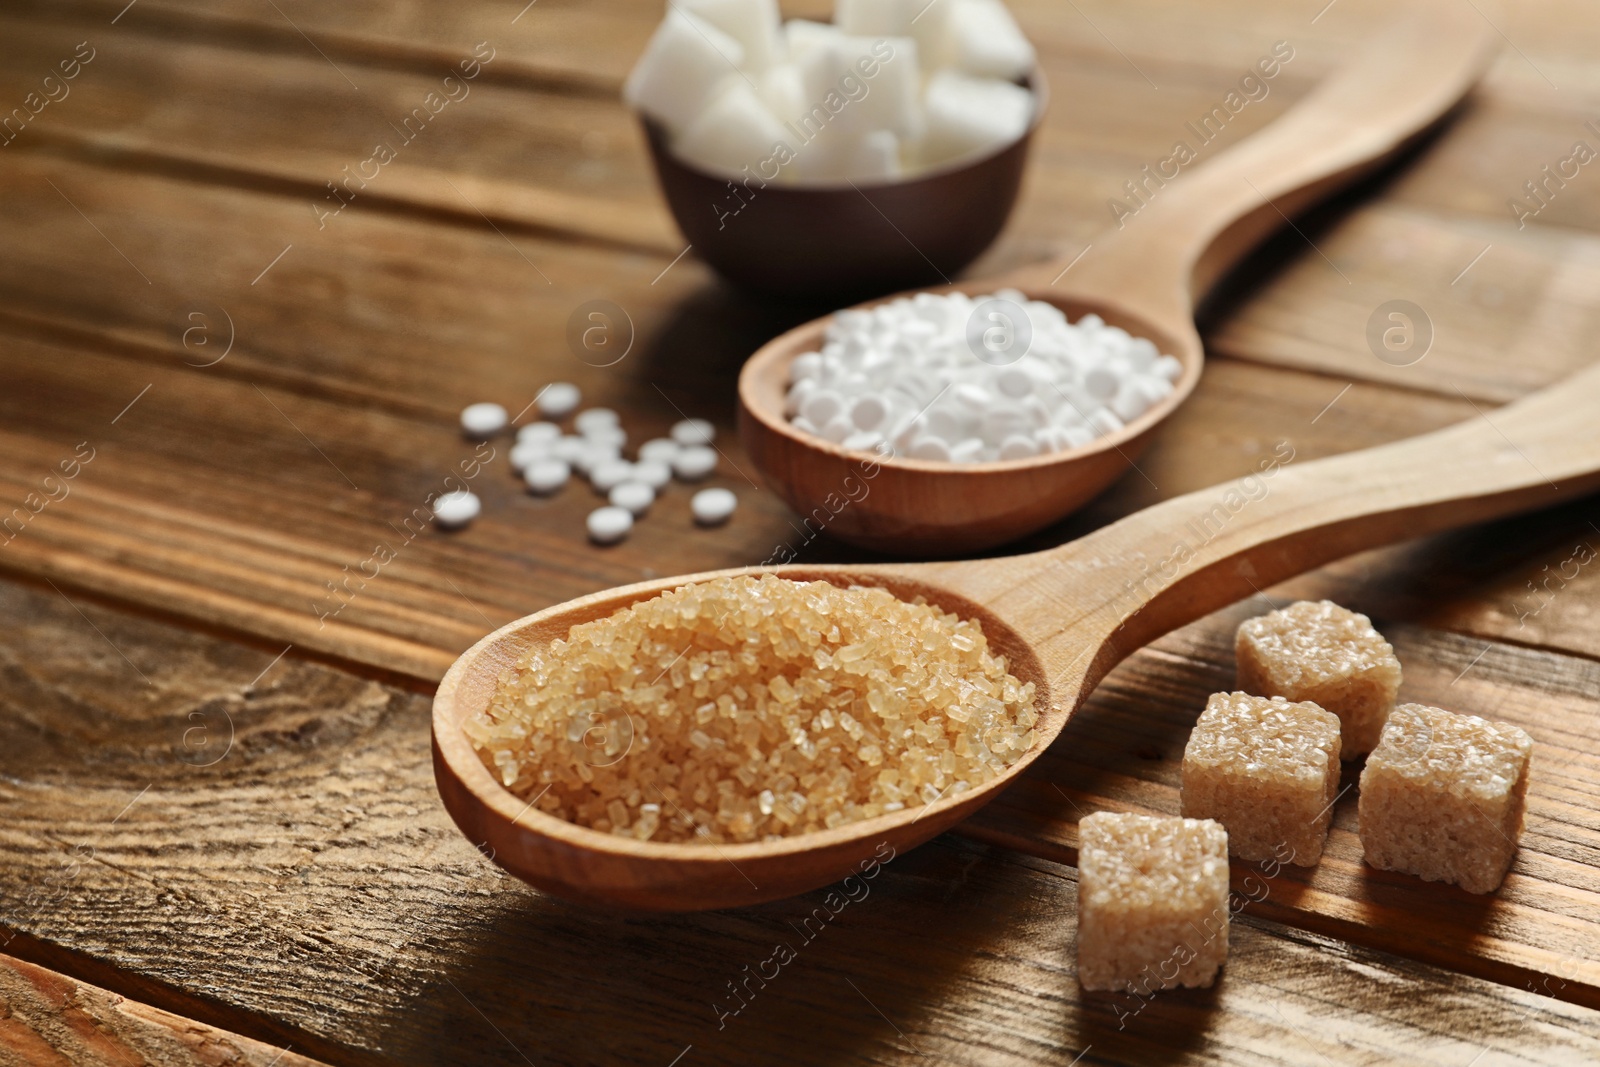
<point>847,242</point>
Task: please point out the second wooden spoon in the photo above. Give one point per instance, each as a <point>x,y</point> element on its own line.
<point>1144,277</point>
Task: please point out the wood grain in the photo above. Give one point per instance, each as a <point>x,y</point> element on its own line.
<point>195,155</point>
<point>302,884</point>
<point>48,1018</point>
<point>533,159</point>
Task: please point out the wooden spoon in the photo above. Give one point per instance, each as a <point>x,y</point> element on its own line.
<point>1144,277</point>
<point>1064,617</point>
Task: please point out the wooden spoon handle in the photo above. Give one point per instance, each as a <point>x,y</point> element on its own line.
<point>1189,231</point>
<point>1126,584</point>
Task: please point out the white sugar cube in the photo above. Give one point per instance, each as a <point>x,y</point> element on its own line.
<point>861,84</point>
<point>783,90</point>
<point>877,18</point>
<point>802,35</point>
<point>735,131</point>
<point>753,23</point>
<point>979,37</point>
<point>873,157</point>
<point>686,59</point>
<point>969,116</point>
<point>822,156</point>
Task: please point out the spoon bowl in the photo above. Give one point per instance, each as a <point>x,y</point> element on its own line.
<point>925,508</point>
<point>577,862</point>
<point>1144,276</point>
<point>1063,618</point>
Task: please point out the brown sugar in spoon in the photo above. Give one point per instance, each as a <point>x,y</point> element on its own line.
<point>1063,617</point>
<point>1144,277</point>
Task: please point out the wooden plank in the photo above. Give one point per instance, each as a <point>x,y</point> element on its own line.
<point>259,841</point>
<point>1510,312</point>
<point>294,126</point>
<point>1124,750</point>
<point>48,1018</point>
<point>374,309</point>
<point>191,555</point>
<point>1516,320</point>
<point>250,536</point>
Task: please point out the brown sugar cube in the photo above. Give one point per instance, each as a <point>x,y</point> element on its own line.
<point>1268,771</point>
<point>1442,797</point>
<point>1152,901</point>
<point>1318,651</point>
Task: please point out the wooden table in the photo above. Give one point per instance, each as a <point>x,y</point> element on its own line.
<point>219,837</point>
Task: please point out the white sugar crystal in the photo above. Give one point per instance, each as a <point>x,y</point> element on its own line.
<point>685,60</point>
<point>753,23</point>
<point>981,38</point>
<point>903,379</point>
<point>735,131</point>
<point>969,116</point>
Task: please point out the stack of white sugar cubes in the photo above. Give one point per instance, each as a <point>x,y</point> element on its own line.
<point>890,88</point>
<point>915,377</point>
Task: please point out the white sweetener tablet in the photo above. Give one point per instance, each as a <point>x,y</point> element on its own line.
<point>694,462</point>
<point>610,524</point>
<point>483,420</point>
<point>636,497</point>
<point>597,421</point>
<point>546,475</point>
<point>538,431</point>
<point>659,449</point>
<point>694,432</point>
<point>712,507</point>
<point>558,400</point>
<point>456,509</point>
<point>608,474</point>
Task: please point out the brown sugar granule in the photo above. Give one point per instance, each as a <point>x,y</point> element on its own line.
<point>1319,652</point>
<point>754,708</point>
<point>1152,902</point>
<point>1442,797</point>
<point>1267,770</point>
